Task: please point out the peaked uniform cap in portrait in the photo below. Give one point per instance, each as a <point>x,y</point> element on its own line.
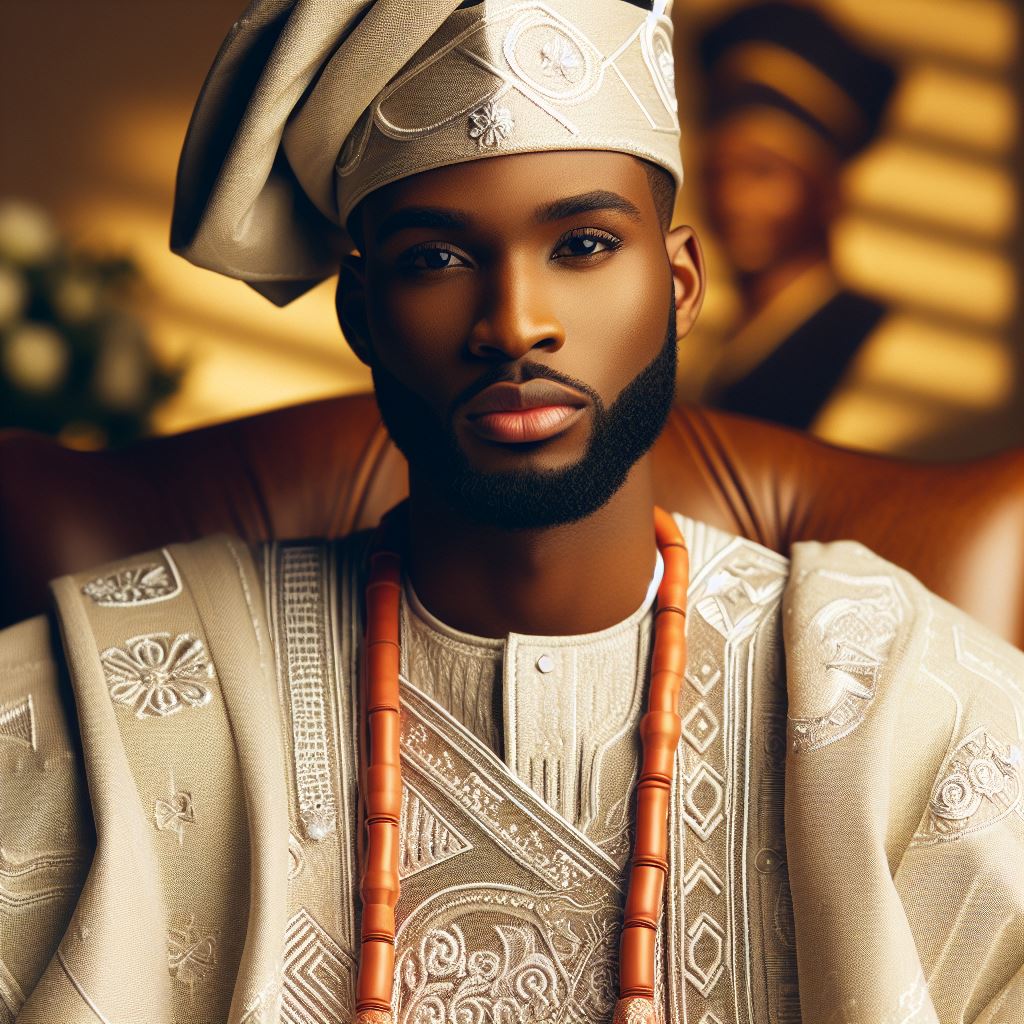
<point>312,104</point>
<point>790,57</point>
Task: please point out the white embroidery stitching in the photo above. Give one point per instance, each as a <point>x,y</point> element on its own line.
<point>490,124</point>
<point>157,675</point>
<point>319,975</point>
<point>304,641</point>
<point>136,584</point>
<point>854,635</point>
<point>426,837</point>
<point>980,784</point>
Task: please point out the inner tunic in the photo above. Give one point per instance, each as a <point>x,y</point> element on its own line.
<point>562,712</point>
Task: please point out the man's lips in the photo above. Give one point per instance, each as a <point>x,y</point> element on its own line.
<point>518,413</point>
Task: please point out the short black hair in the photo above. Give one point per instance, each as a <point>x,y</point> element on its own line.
<point>663,189</point>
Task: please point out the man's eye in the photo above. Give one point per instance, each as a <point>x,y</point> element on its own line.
<point>432,258</point>
<point>587,243</point>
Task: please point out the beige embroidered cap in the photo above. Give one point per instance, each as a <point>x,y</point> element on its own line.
<point>312,104</point>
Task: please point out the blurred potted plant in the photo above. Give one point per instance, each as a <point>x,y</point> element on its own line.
<point>75,361</point>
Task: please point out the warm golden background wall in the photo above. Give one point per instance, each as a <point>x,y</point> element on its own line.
<point>96,98</point>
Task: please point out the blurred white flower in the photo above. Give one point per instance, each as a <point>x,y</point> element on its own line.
<point>122,372</point>
<point>27,235</point>
<point>13,295</point>
<point>35,358</point>
<point>77,298</point>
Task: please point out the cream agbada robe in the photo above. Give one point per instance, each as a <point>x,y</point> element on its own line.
<point>208,721</point>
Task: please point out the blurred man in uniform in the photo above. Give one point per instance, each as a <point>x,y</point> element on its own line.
<point>791,100</point>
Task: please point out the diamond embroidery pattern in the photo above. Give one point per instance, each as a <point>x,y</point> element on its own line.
<point>700,727</point>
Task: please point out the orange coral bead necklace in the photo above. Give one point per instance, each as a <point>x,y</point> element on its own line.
<point>380,777</point>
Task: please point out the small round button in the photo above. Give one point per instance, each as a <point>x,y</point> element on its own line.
<point>545,663</point>
<point>767,861</point>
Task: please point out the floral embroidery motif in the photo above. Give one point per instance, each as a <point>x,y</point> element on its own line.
<point>559,57</point>
<point>490,124</point>
<point>138,584</point>
<point>157,675</point>
<point>18,721</point>
<point>979,785</point>
<point>174,812</point>
<point>191,953</point>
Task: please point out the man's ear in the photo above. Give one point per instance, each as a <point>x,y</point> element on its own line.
<point>350,302</point>
<point>688,282</point>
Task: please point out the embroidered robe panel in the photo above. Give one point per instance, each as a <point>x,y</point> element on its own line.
<point>227,891</point>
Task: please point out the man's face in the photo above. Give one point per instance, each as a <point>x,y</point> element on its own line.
<point>771,193</point>
<point>513,268</point>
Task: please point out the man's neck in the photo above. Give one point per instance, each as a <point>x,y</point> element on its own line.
<point>565,580</point>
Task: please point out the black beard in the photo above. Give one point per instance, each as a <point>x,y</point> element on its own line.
<point>532,499</point>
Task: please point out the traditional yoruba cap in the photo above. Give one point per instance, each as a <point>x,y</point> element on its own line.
<point>312,104</point>
<point>790,57</point>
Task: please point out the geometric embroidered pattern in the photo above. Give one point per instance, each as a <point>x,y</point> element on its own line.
<point>17,721</point>
<point>135,585</point>
<point>732,634</point>
<point>158,675</point>
<point>318,975</point>
<point>705,951</point>
<point>700,727</point>
<point>700,872</point>
<point>426,837</point>
<point>304,641</point>
<point>704,797</point>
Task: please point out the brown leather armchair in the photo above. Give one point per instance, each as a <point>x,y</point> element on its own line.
<point>326,468</point>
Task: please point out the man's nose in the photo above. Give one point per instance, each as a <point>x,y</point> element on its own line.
<point>519,316</point>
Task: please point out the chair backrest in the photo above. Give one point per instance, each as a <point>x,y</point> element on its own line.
<point>328,467</point>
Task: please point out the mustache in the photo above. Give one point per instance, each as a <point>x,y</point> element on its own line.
<point>520,373</point>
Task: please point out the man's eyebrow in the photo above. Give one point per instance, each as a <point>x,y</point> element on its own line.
<point>421,217</point>
<point>586,202</point>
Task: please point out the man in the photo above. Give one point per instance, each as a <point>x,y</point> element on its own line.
<point>519,308</point>
<point>791,100</point>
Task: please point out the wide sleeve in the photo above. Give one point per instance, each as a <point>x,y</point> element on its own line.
<point>903,812</point>
<point>46,833</point>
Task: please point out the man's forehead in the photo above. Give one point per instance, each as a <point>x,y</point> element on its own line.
<point>536,187</point>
